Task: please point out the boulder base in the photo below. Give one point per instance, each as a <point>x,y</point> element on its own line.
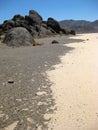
<point>18,36</point>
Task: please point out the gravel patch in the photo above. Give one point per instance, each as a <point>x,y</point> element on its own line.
<point>28,98</point>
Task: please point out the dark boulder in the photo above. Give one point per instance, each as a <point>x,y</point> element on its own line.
<point>5,21</point>
<point>54,25</point>
<point>44,24</point>
<point>8,24</point>
<point>55,42</point>
<point>33,31</point>
<point>0,26</point>
<point>34,17</point>
<point>18,17</point>
<point>72,32</point>
<point>1,29</point>
<point>11,23</point>
<point>29,20</point>
<point>21,23</point>
<point>63,31</point>
<point>18,36</point>
<point>45,32</point>
<point>39,31</point>
<point>38,28</point>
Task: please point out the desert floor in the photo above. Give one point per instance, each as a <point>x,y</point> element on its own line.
<point>75,86</point>
<point>50,87</point>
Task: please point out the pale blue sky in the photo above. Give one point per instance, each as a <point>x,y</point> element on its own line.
<point>58,9</point>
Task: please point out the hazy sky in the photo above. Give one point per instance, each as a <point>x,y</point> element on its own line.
<point>58,9</point>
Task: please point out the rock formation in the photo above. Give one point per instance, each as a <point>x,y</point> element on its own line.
<point>33,24</point>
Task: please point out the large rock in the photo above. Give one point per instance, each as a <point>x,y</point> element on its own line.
<point>18,17</point>
<point>34,17</point>
<point>44,32</point>
<point>20,21</point>
<point>1,29</point>
<point>8,24</point>
<point>72,32</point>
<point>54,25</point>
<point>18,36</point>
<point>63,31</point>
<point>16,21</point>
<point>33,31</point>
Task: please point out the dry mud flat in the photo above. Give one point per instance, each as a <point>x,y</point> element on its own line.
<point>75,86</point>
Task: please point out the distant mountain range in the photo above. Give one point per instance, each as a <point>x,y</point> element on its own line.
<point>80,26</point>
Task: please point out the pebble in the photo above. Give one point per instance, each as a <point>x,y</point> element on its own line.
<point>10,81</point>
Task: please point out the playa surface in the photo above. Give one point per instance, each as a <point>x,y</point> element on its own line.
<point>53,86</point>
<point>75,86</point>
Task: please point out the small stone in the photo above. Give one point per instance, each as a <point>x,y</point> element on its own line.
<point>55,42</point>
<point>10,81</point>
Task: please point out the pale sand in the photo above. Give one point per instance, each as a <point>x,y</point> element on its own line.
<point>75,87</point>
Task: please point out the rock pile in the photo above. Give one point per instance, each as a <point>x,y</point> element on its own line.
<point>33,24</point>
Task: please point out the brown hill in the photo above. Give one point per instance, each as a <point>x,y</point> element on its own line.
<point>80,26</point>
